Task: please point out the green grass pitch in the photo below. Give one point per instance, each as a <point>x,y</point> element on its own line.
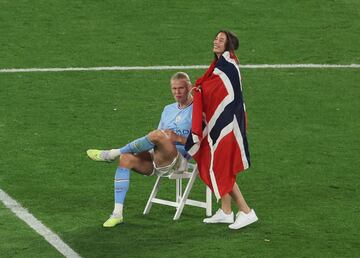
<point>303,125</point>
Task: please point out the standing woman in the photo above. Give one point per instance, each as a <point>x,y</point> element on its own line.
<point>218,141</point>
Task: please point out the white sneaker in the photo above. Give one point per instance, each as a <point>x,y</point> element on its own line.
<point>244,219</point>
<point>220,217</point>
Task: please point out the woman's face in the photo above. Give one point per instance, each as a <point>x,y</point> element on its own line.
<point>219,43</point>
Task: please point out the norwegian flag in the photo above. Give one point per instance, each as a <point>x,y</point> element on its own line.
<point>218,140</point>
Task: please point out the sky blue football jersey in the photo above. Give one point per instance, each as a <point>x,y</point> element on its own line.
<point>178,120</point>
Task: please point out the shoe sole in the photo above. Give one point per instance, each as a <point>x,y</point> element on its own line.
<point>111,226</point>
<point>246,224</point>
<point>219,222</point>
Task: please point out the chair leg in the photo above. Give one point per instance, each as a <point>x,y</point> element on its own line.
<point>178,189</point>
<point>186,194</point>
<point>208,202</point>
<point>152,196</point>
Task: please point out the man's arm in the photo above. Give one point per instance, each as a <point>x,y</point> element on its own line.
<point>175,137</point>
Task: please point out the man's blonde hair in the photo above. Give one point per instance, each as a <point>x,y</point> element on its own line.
<point>181,76</point>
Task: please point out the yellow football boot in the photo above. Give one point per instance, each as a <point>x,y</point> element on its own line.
<point>99,155</point>
<point>112,222</point>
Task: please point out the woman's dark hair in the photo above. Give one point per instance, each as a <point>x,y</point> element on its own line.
<point>232,41</point>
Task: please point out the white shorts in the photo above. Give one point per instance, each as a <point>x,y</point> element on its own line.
<point>178,165</point>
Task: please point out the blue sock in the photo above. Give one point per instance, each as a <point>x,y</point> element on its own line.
<point>121,184</point>
<point>138,145</point>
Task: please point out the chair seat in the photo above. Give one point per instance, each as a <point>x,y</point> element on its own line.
<point>180,175</point>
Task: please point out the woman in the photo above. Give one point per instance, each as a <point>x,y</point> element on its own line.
<point>218,142</point>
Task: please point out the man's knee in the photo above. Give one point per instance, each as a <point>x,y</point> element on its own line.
<point>157,136</point>
<point>127,160</point>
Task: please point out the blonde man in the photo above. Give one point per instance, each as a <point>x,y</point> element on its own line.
<point>160,152</point>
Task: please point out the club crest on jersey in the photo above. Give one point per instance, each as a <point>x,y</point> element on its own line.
<point>177,119</point>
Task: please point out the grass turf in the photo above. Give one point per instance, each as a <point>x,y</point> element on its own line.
<point>91,33</point>
<point>302,183</point>
<point>303,128</point>
<point>18,240</point>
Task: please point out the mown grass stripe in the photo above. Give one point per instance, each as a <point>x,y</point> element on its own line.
<point>173,67</point>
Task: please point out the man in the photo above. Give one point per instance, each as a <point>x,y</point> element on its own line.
<point>160,152</point>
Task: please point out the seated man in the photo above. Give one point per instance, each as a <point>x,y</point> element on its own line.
<point>160,152</point>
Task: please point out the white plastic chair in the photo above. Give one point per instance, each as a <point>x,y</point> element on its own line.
<point>181,198</point>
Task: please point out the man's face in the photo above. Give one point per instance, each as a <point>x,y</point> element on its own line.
<point>180,90</point>
<point>219,43</point>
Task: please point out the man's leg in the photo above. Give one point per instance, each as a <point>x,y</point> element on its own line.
<point>142,163</point>
<point>161,140</point>
<point>164,151</point>
<point>164,154</point>
<point>137,146</point>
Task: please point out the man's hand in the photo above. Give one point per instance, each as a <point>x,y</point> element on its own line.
<point>174,137</point>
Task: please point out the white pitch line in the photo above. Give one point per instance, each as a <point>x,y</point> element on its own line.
<point>37,225</point>
<point>173,67</point>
